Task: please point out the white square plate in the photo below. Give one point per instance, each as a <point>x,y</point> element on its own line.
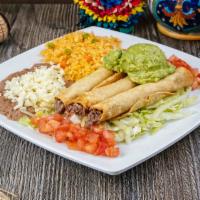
<point>131,154</point>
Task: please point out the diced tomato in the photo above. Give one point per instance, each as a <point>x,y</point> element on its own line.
<point>80,144</point>
<point>78,132</point>
<point>65,121</point>
<point>44,127</point>
<point>70,136</point>
<point>64,127</point>
<point>112,152</point>
<point>195,71</point>
<point>101,148</point>
<point>178,62</point>
<point>83,131</point>
<point>60,136</point>
<point>195,85</point>
<point>90,148</point>
<point>92,138</point>
<point>72,145</point>
<point>108,134</point>
<point>56,117</point>
<point>97,129</point>
<point>53,123</point>
<point>181,63</point>
<point>74,128</point>
<point>35,121</point>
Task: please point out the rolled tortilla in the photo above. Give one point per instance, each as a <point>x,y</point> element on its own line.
<point>80,104</point>
<point>83,85</point>
<point>115,77</point>
<point>140,96</point>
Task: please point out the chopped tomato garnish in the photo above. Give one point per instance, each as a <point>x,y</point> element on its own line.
<point>97,129</point>
<point>92,138</point>
<point>60,136</point>
<point>43,126</point>
<point>112,151</point>
<point>64,127</point>
<point>101,148</point>
<point>56,117</point>
<point>95,140</point>
<point>110,137</point>
<point>90,148</point>
<point>35,121</point>
<point>54,124</point>
<point>72,145</point>
<point>80,144</point>
<point>177,62</point>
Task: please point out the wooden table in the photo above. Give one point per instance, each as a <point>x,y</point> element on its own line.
<point>33,173</point>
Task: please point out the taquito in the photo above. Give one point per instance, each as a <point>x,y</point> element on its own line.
<point>115,77</point>
<point>140,96</point>
<point>81,104</point>
<point>82,85</point>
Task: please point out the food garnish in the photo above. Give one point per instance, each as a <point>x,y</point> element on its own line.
<point>143,63</point>
<point>152,118</point>
<point>101,107</point>
<point>139,97</point>
<point>93,141</point>
<point>176,61</point>
<point>79,53</point>
<point>36,89</point>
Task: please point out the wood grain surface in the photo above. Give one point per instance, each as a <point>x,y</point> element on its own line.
<point>35,1</point>
<point>35,174</point>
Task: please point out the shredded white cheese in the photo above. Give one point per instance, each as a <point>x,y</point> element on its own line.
<point>36,89</point>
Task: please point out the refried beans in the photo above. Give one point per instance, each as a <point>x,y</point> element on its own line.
<point>6,106</point>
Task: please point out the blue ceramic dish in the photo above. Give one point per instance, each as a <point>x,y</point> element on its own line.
<point>182,16</point>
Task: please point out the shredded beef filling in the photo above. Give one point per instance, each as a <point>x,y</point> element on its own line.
<point>59,106</point>
<point>93,117</point>
<point>75,108</point>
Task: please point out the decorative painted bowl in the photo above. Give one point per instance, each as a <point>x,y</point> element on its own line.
<point>178,18</point>
<point>120,15</point>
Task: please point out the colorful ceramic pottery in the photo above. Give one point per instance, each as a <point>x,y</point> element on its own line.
<point>179,16</point>
<point>120,15</point>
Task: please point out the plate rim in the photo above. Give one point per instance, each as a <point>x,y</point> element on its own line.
<point>114,171</point>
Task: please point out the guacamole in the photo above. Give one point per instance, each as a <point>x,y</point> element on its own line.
<point>143,63</point>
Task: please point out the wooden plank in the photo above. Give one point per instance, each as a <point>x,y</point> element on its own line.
<point>33,173</point>
<point>34,1</point>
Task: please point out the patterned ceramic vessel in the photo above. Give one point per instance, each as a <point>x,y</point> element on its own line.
<point>181,16</point>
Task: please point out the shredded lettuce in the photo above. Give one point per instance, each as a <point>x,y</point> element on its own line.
<point>25,120</point>
<point>151,118</point>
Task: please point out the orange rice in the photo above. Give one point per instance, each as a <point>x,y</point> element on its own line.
<point>79,53</point>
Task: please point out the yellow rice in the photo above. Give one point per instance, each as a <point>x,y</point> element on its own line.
<point>79,53</point>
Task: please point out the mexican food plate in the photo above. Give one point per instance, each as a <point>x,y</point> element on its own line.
<point>103,99</point>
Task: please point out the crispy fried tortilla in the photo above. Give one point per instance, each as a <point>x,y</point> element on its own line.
<point>87,99</point>
<point>140,96</point>
<point>85,84</point>
<point>115,77</point>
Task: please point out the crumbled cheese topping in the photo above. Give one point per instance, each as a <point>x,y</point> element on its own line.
<point>36,89</point>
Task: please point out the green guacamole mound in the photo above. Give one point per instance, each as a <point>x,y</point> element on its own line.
<point>143,63</point>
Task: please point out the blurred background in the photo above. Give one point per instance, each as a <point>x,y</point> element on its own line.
<point>36,1</point>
